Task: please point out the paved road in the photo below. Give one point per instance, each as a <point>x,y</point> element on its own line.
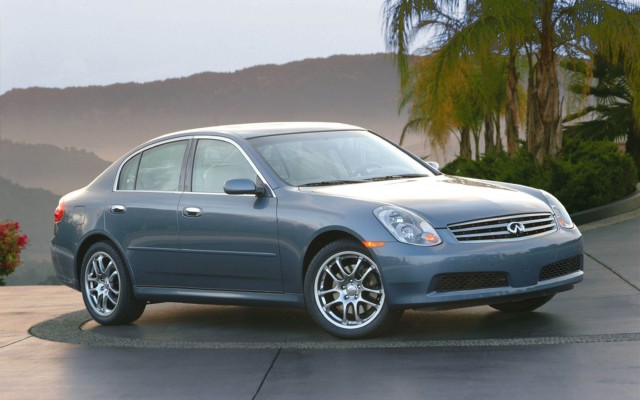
<point>584,344</point>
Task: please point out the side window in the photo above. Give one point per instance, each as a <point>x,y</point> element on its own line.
<point>128,174</point>
<point>215,163</point>
<point>156,169</point>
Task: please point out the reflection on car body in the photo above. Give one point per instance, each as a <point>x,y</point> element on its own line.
<point>323,216</point>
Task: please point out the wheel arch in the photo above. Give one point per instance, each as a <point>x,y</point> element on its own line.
<point>321,241</point>
<point>89,241</point>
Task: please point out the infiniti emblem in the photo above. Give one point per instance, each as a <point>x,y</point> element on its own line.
<point>515,228</point>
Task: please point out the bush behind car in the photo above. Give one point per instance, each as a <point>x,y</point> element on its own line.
<point>587,174</point>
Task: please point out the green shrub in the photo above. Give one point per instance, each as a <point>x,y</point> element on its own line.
<point>587,174</point>
<point>591,173</point>
<point>520,168</point>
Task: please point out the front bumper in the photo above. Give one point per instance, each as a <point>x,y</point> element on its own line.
<point>412,274</point>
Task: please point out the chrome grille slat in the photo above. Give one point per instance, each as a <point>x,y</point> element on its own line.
<point>551,225</point>
<point>495,229</point>
<point>472,235</point>
<point>496,226</point>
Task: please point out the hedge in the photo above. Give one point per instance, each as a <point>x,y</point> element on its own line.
<point>586,174</point>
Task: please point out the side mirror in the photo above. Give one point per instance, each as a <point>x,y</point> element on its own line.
<point>242,186</point>
<point>434,165</point>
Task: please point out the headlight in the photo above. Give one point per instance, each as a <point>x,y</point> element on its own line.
<point>407,227</point>
<point>561,214</point>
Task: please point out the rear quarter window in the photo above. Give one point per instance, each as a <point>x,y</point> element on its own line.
<point>155,169</point>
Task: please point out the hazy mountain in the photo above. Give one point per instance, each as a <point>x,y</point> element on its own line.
<point>33,209</point>
<point>49,167</point>
<point>109,120</point>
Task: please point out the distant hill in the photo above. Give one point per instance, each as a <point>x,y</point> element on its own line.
<point>109,120</point>
<point>33,209</point>
<point>49,167</point>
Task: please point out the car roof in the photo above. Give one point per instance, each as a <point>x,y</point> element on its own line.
<point>248,131</point>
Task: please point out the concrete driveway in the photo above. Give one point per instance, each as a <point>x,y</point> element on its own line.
<point>584,344</point>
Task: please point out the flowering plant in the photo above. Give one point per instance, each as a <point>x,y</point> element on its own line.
<point>11,245</point>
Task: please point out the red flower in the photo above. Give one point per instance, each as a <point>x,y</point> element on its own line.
<point>11,246</point>
<point>22,240</point>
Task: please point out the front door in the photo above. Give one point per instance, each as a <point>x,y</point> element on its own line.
<point>228,242</point>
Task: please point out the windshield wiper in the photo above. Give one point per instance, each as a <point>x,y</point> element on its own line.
<point>334,182</point>
<point>396,176</point>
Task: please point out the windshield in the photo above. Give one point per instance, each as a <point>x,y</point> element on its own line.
<point>336,157</point>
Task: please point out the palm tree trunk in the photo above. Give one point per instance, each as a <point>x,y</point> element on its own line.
<point>545,138</point>
<point>465,143</point>
<point>489,146</point>
<point>476,140</point>
<point>498,146</point>
<point>512,107</point>
<point>533,119</point>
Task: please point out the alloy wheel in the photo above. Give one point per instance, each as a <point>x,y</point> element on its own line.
<point>348,290</point>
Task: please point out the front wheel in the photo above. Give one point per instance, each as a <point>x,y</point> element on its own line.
<point>106,287</point>
<point>344,292</point>
<point>522,305</point>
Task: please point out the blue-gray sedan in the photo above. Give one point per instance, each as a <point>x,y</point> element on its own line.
<point>323,216</point>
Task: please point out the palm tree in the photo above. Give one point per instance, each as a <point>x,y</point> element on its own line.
<point>538,28</point>
<point>612,116</point>
<point>569,27</point>
<point>483,32</point>
<point>452,113</point>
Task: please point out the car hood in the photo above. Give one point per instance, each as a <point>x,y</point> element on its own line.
<point>442,200</point>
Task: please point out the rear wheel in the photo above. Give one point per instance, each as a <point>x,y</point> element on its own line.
<point>106,287</point>
<point>344,292</point>
<point>523,305</point>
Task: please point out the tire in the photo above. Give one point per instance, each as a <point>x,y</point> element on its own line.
<point>527,305</point>
<point>344,292</point>
<point>106,288</point>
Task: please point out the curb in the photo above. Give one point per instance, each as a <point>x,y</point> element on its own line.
<point>624,205</point>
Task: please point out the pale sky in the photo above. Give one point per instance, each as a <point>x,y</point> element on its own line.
<point>61,43</point>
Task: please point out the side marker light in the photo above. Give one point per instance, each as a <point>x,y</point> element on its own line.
<point>372,245</point>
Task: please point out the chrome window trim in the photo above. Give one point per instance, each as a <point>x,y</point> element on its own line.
<point>237,146</point>
<point>115,182</point>
<point>146,191</point>
<point>189,138</point>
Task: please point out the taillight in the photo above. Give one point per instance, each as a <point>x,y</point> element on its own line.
<point>59,212</point>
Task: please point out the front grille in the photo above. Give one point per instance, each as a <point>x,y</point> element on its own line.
<point>471,281</point>
<point>561,268</point>
<point>510,227</point>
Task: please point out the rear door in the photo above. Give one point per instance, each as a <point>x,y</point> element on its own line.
<point>142,212</point>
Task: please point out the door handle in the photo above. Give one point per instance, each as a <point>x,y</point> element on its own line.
<point>117,209</point>
<point>192,212</point>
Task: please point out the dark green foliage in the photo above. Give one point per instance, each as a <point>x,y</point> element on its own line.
<point>590,174</point>
<point>520,168</point>
<point>587,174</point>
<point>612,117</point>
